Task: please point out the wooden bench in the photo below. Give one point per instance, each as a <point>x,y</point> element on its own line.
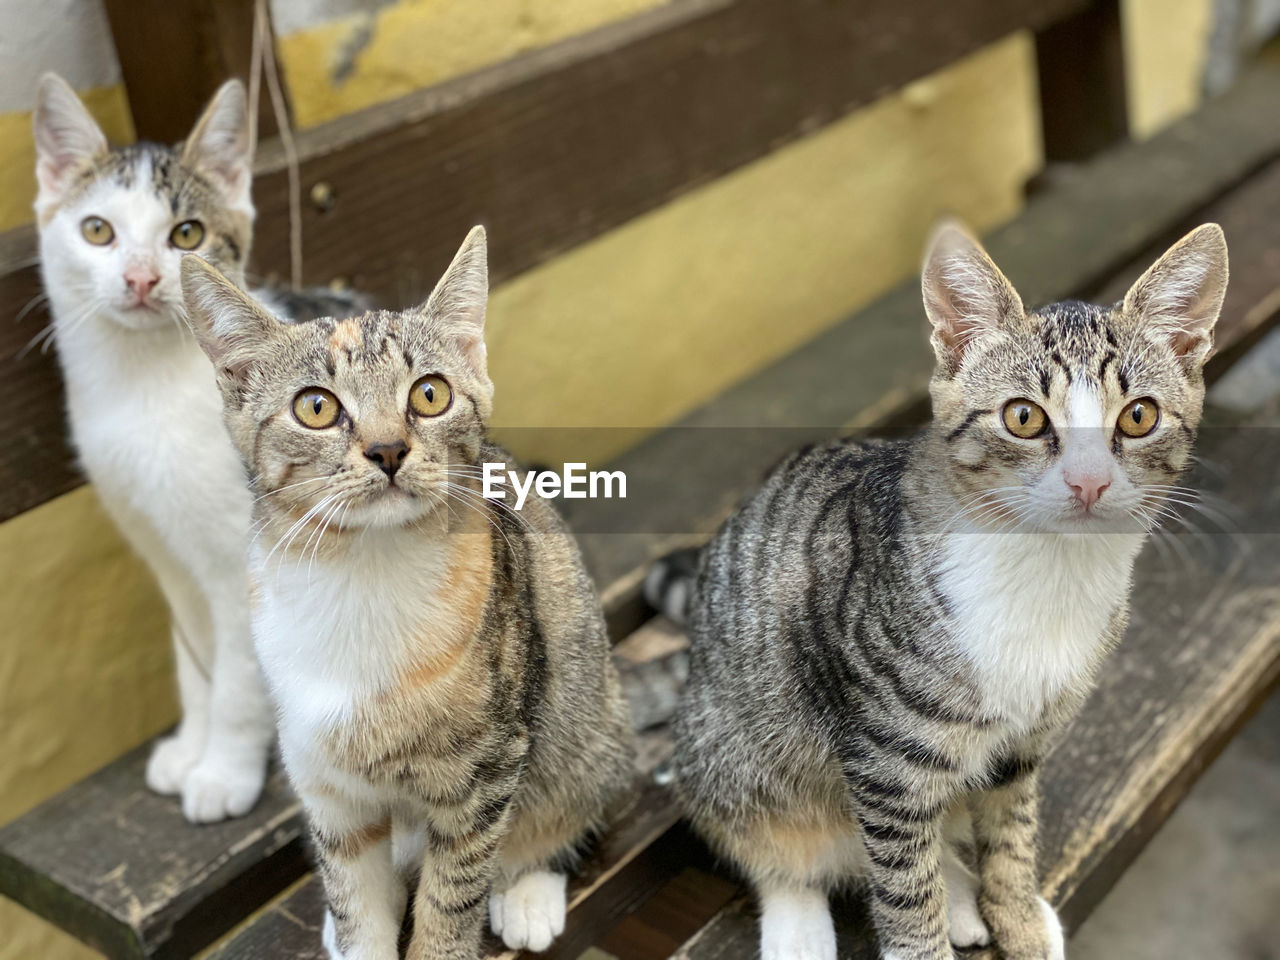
<point>1202,651</point>
<point>118,868</point>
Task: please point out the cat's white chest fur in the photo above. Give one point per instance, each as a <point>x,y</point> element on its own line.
<point>330,635</point>
<point>147,422</point>
<point>1031,610</point>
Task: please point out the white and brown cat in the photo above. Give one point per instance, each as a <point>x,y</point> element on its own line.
<point>145,415</point>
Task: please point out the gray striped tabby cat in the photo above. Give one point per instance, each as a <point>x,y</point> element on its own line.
<point>449,714</point>
<point>887,636</point>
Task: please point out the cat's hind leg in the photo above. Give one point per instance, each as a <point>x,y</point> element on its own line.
<point>794,859</point>
<point>174,756</point>
<point>795,923</point>
<point>529,900</point>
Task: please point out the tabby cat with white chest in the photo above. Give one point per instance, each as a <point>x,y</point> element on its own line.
<point>449,713</point>
<point>887,636</point>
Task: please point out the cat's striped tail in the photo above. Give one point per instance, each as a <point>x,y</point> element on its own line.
<point>668,587</point>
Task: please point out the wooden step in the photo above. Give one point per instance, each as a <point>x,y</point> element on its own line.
<point>139,882</point>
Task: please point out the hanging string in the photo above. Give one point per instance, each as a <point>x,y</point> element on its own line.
<point>263,60</point>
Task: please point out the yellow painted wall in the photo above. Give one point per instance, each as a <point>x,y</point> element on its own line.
<point>85,671</point>
<point>1166,45</point>
<point>337,67</point>
<point>653,318</point>
<point>18,152</point>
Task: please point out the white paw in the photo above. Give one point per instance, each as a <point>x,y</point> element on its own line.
<point>796,926</point>
<point>529,914</point>
<point>217,790</point>
<point>1057,942</point>
<point>170,762</point>
<point>965,927</point>
<point>329,937</point>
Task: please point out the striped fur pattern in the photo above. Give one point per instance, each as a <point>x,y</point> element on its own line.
<point>449,713</point>
<point>887,636</point>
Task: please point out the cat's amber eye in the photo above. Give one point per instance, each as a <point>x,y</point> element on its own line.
<point>430,396</point>
<point>187,235</point>
<point>1139,418</point>
<point>97,231</point>
<point>1025,419</point>
<point>317,408</point>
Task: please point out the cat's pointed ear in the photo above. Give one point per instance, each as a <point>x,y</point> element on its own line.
<point>1181,294</point>
<point>221,145</point>
<point>230,326</point>
<point>67,138</point>
<point>965,294</point>
<point>459,300</point>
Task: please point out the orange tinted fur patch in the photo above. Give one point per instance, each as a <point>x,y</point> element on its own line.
<point>463,594</point>
<point>347,335</point>
<point>808,846</point>
<point>356,842</point>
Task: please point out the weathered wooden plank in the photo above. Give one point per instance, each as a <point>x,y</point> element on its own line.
<point>118,867</point>
<point>1201,653</point>
<point>1080,66</point>
<point>173,56</point>
<point>553,148</point>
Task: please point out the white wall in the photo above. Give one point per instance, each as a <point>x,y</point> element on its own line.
<point>67,36</point>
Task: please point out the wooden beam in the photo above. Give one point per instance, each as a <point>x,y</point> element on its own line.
<point>174,55</point>
<point>555,147</point>
<point>1083,104</point>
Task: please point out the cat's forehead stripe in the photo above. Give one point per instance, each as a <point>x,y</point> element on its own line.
<point>1079,342</point>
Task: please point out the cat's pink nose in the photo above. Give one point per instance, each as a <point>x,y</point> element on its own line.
<point>1087,488</point>
<point>141,280</point>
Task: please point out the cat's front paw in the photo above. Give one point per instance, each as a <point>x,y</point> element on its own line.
<point>1029,930</point>
<point>170,762</point>
<point>329,937</point>
<point>965,926</point>
<point>1056,940</point>
<point>529,914</point>
<point>217,790</point>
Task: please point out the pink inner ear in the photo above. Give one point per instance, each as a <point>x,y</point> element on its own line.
<point>53,169</point>
<point>1186,341</point>
<point>473,349</point>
